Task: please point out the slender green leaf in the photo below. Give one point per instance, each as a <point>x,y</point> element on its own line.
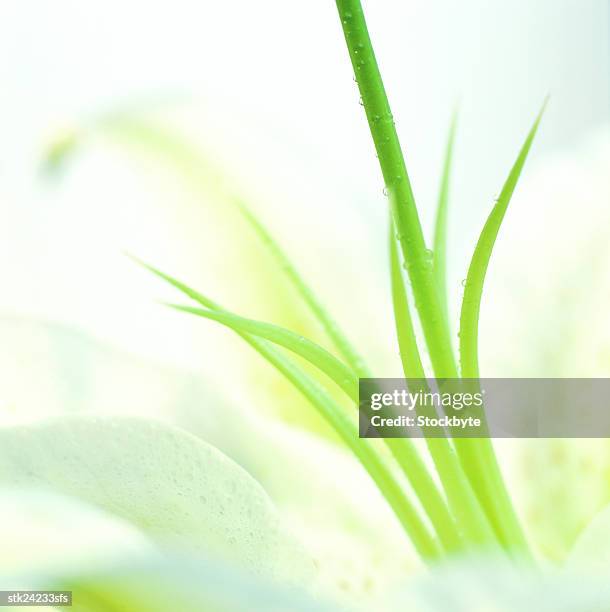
<point>403,450</point>
<point>194,295</point>
<point>338,372</point>
<point>330,326</point>
<point>440,227</point>
<point>405,454</point>
<point>415,528</point>
<point>471,304</point>
<point>488,482</point>
<point>460,496</point>
<point>407,342</point>
<point>417,258</point>
<point>424,542</point>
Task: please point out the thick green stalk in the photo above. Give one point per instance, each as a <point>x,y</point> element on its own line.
<point>381,123</point>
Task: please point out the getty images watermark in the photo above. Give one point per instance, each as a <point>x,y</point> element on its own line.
<point>35,598</point>
<point>482,408</point>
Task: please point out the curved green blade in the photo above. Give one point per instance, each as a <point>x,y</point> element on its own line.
<point>338,372</point>
<point>471,304</point>
<point>488,483</point>
<point>416,529</point>
<point>440,227</point>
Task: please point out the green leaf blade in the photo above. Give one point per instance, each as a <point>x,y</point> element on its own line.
<point>415,528</point>
<point>473,292</point>
<point>398,186</point>
<point>305,348</point>
<point>488,483</point>
<point>320,313</point>
<point>440,226</point>
<point>461,498</point>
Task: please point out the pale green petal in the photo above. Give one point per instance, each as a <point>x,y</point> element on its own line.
<point>357,544</point>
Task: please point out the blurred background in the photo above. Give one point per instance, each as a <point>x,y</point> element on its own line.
<point>264,93</point>
<point>266,90</point>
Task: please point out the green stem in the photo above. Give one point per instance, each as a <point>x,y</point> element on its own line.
<point>416,256</point>
<point>393,168</point>
<point>460,495</point>
<point>406,455</point>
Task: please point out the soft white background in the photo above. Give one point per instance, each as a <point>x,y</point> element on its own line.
<point>280,109</point>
